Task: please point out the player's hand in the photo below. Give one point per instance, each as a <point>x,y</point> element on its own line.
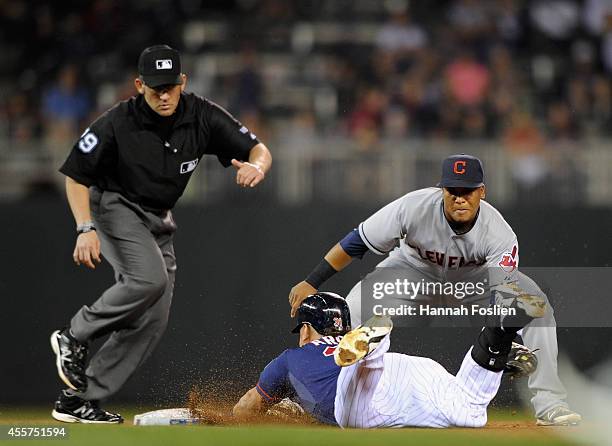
<point>298,293</point>
<point>248,174</point>
<point>87,250</point>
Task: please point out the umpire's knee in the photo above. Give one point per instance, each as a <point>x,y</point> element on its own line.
<point>150,288</point>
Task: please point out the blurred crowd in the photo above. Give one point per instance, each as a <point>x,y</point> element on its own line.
<point>530,74</point>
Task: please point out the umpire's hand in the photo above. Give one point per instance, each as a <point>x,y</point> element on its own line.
<point>298,293</point>
<point>248,174</point>
<point>87,249</point>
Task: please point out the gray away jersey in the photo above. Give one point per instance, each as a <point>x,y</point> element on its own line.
<point>428,243</point>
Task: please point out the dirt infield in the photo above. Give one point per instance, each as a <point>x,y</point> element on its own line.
<point>217,412</point>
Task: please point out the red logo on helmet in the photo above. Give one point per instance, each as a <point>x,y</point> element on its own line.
<point>338,323</point>
<point>508,260</point>
<point>459,167</point>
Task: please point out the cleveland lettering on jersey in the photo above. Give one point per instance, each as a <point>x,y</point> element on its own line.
<point>438,258</point>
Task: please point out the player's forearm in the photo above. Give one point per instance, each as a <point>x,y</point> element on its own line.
<point>338,258</point>
<point>334,261</point>
<point>78,199</point>
<point>249,405</point>
<point>261,157</point>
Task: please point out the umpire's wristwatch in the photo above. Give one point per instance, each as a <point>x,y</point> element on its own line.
<point>84,227</point>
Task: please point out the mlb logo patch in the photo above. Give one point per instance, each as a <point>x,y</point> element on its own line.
<point>163,64</point>
<point>188,166</point>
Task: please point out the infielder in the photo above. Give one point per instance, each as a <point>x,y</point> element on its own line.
<point>450,233</point>
<point>352,381</point>
<point>123,177</point>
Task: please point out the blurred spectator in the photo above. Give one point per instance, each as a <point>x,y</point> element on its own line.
<point>20,123</point>
<point>505,91</point>
<point>594,15</point>
<point>582,58</point>
<point>474,124</point>
<point>554,20</point>
<point>449,121</point>
<point>467,80</point>
<point>399,36</point>
<point>502,104</point>
<point>65,105</point>
<point>508,21</point>
<point>396,123</point>
<point>343,77</point>
<point>471,22</point>
<point>525,143</point>
<point>606,43</point>
<point>504,73</point>
<point>562,127</point>
<point>602,105</point>
<point>248,85</point>
<point>522,135</point>
<point>419,100</point>
<point>366,121</point>
<point>557,19</point>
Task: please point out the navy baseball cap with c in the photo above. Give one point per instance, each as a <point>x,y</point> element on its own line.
<point>160,65</point>
<point>462,171</point>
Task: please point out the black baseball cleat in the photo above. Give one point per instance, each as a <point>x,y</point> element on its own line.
<point>70,359</point>
<point>72,409</point>
<point>521,361</point>
<point>362,341</point>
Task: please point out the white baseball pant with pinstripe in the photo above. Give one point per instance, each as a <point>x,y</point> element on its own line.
<point>396,390</point>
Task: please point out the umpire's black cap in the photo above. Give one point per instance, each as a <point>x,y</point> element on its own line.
<point>160,65</point>
<point>462,171</point>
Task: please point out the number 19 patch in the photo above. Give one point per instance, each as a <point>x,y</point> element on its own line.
<point>88,141</point>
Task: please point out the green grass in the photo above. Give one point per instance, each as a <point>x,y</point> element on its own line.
<point>514,429</point>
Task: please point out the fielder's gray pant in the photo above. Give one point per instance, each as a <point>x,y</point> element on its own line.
<point>540,334</point>
<point>134,311</point>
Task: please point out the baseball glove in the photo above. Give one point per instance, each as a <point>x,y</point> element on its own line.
<point>521,362</point>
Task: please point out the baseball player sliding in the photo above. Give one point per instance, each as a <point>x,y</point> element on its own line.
<point>352,381</point>
<point>450,233</point>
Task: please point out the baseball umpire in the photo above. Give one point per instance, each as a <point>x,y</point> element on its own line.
<point>123,177</point>
<point>444,232</point>
<point>364,386</point>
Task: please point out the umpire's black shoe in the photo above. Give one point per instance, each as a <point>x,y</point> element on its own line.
<point>72,409</point>
<point>70,359</point>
